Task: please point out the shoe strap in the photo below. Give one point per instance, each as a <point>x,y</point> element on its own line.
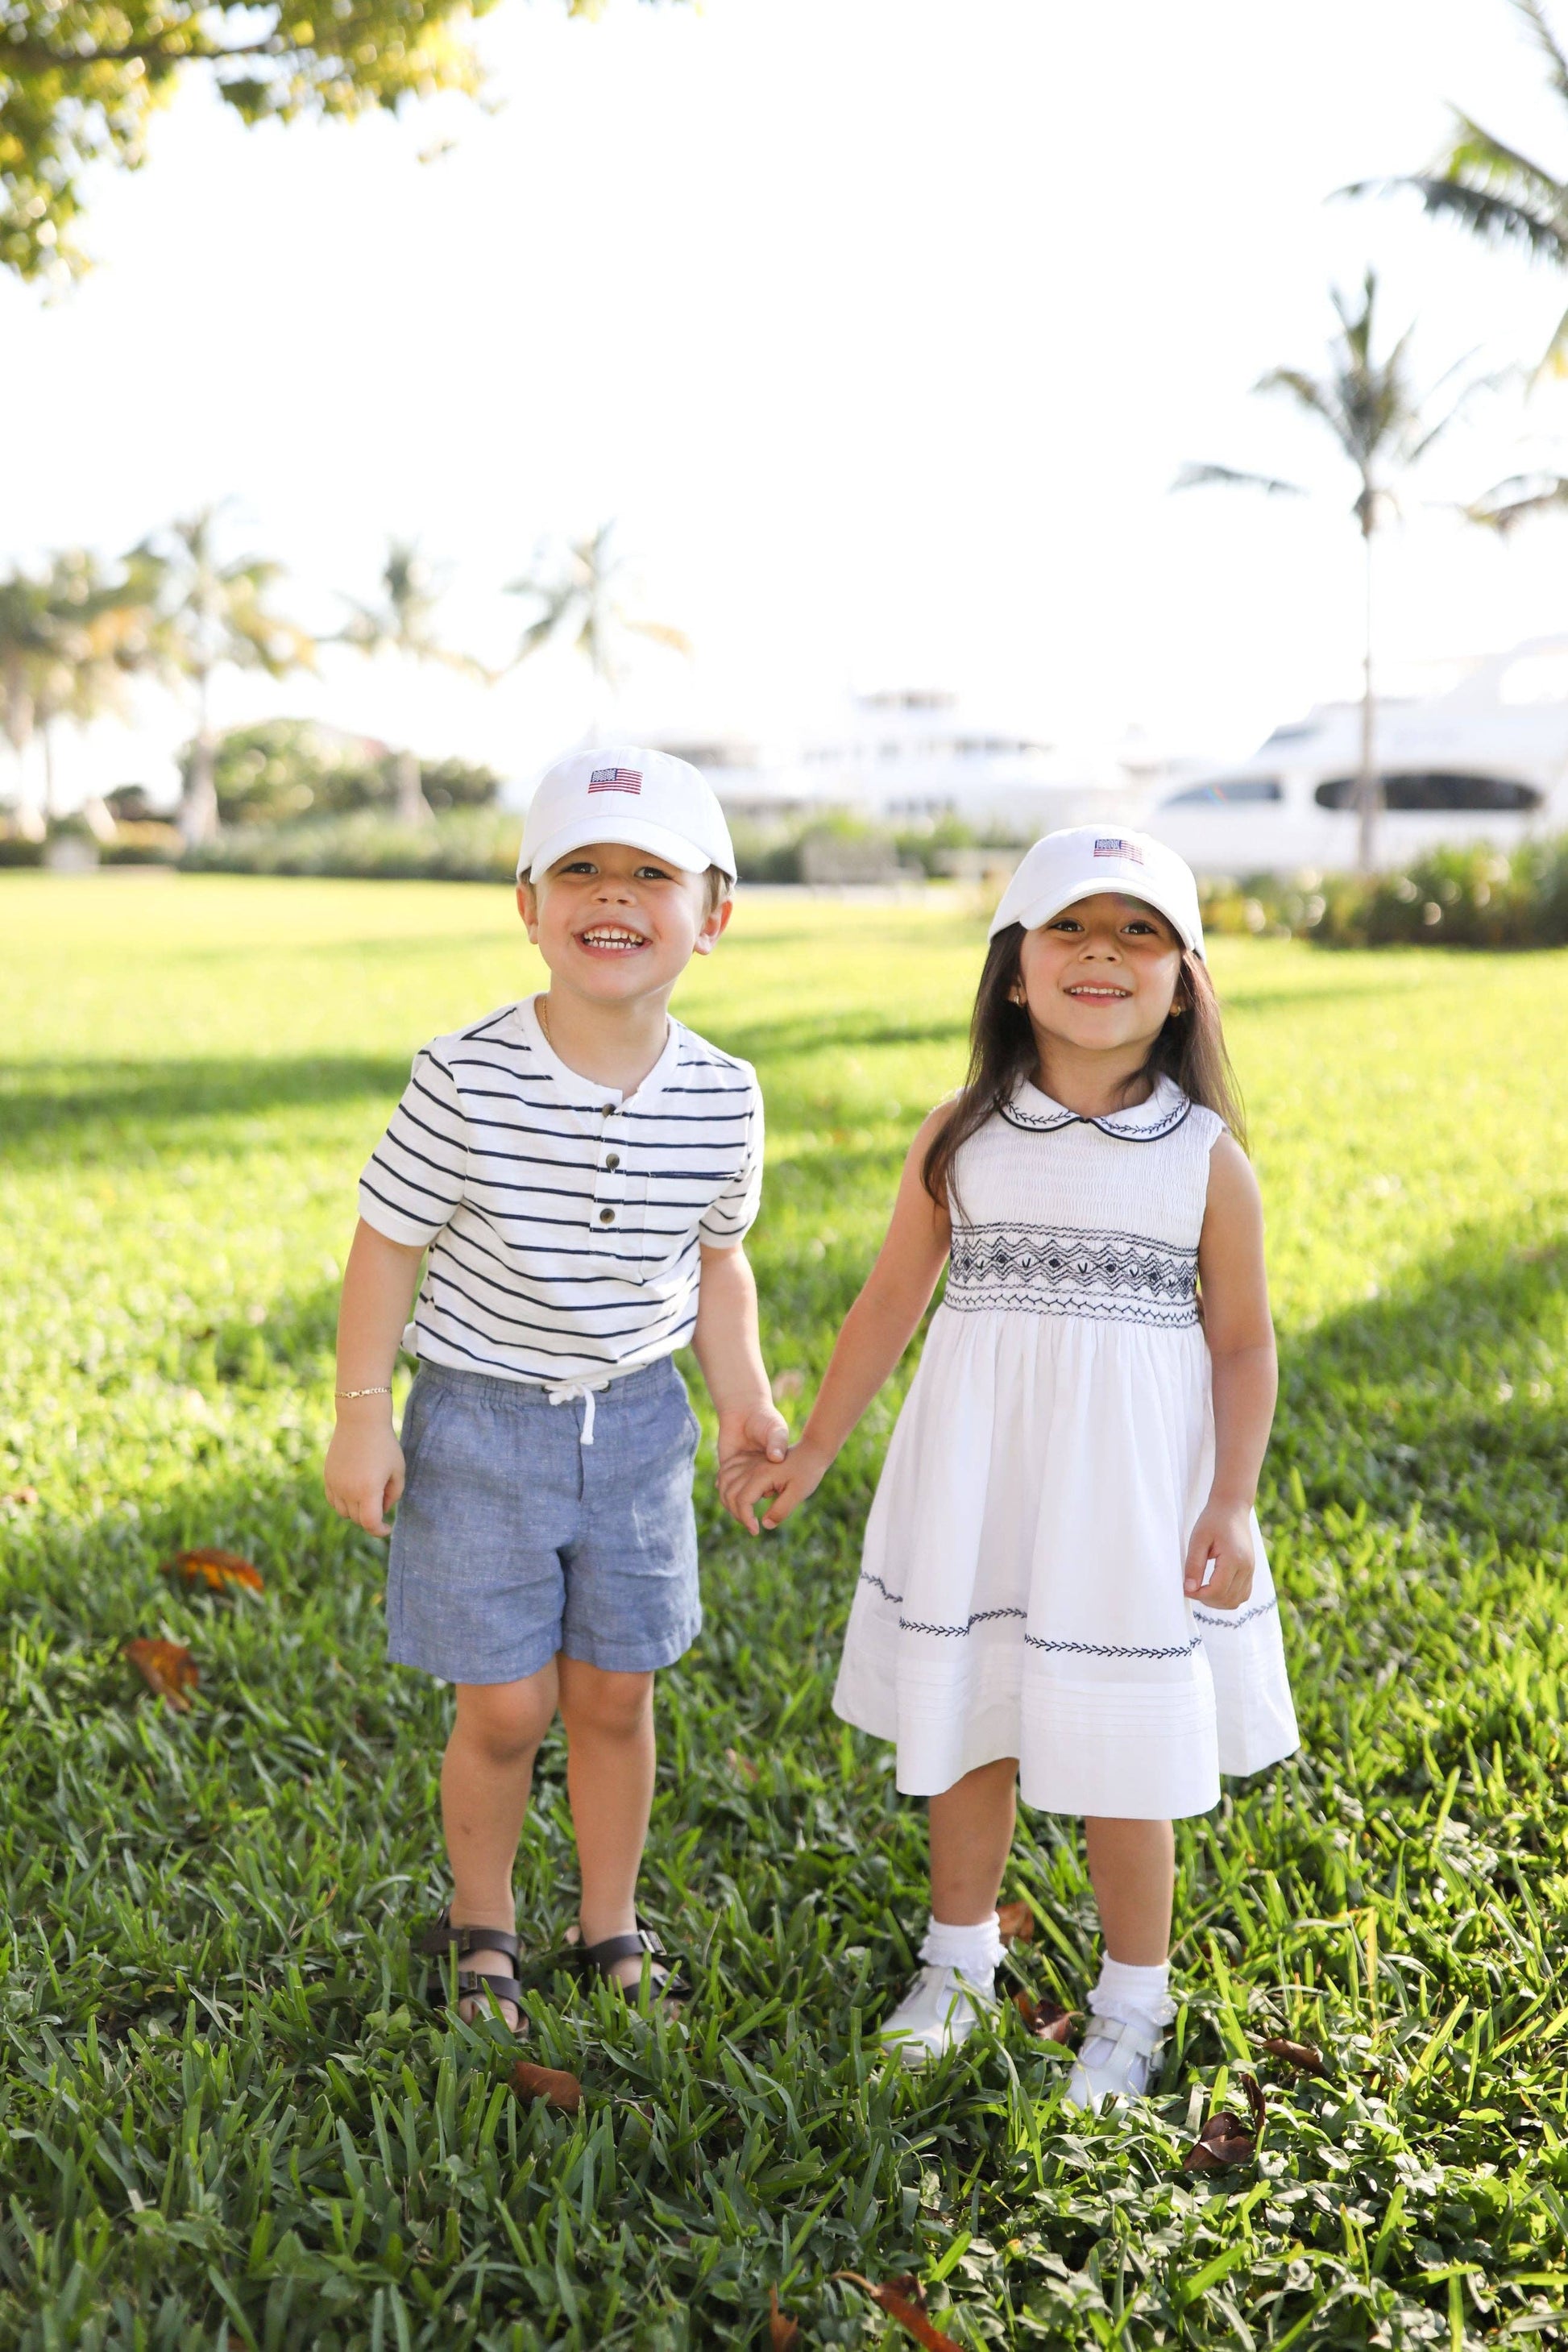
<point>444,1937</point>
<point>602,1956</point>
<point>1148,2041</point>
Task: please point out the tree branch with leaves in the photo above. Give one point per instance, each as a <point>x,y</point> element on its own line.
<point>81,80</point>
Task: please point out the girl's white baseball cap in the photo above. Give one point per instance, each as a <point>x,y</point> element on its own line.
<point>1084,861</point>
<point>621,791</point>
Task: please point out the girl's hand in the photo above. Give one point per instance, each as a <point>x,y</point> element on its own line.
<point>1223,1535</point>
<point>789,1482</point>
<point>363,1473</point>
<point>748,1443</point>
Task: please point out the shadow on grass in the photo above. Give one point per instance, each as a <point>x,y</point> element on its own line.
<point>770,1042</point>
<point>50,1108</point>
<point>1436,1394</point>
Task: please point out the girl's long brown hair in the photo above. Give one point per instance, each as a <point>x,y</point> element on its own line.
<point>1190,1049</point>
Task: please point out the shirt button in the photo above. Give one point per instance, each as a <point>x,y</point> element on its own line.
<point>611,1158</point>
<point>608,1110</point>
<point>606,1216</point>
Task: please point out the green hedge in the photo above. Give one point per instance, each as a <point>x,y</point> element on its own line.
<point>459,846</point>
<point>1475,898</point>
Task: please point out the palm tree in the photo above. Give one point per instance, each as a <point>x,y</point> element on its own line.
<point>69,637</point>
<point>23,647</point>
<point>404,624</point>
<point>1379,423</point>
<point>1497,194</point>
<point>581,592</point>
<point>99,632</point>
<point>208,614</point>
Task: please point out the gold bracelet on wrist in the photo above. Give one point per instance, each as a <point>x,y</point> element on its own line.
<point>359,1392</point>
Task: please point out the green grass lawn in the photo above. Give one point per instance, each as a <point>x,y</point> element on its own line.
<point>227,2119</point>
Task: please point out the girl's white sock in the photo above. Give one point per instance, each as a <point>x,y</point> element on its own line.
<point>1131,1995</point>
<point>974,1951</point>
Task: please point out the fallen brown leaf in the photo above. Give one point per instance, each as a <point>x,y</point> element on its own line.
<point>786,1385</point>
<point>1047,2021</point>
<point>1223,2140</point>
<point>1256,2105</point>
<point>784,2333</point>
<point>909,2315</point>
<point>216,1570</point>
<point>167,1668</point>
<point>741,1766</point>
<point>1303,2055</point>
<point>1226,2139</point>
<point>556,2088</point>
<point>23,1496</point>
<point>1017,1922</point>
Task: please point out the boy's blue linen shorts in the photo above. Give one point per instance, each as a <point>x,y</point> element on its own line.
<point>514,1539</point>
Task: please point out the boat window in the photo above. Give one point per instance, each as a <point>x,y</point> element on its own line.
<point>1436,792</point>
<point>1241,792</point>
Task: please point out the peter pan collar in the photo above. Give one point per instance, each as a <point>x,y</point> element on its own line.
<point>1146,1122</point>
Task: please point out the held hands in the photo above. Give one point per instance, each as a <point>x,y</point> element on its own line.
<point>363,1473</point>
<point>750,1446</point>
<point>1223,1536</point>
<point>790,1480</point>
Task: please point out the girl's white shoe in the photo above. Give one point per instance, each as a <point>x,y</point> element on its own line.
<point>1116,2062</point>
<point>940,2009</point>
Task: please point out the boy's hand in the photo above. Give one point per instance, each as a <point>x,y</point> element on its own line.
<point>789,1482</point>
<point>363,1473</point>
<point>1223,1535</point>
<point>748,1443</point>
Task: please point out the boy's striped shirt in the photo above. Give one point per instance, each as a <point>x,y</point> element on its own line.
<point>564,1225</point>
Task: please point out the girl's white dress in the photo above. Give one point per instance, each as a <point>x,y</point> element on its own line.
<point>1021,1589</point>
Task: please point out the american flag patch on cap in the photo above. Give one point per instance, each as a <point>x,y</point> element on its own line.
<point>615,780</point>
<point>1109,845</point>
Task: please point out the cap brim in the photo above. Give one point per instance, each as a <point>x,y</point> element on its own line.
<point>632,833</point>
<point>1051,902</point>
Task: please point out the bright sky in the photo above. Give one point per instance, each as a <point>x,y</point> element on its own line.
<point>881,326</point>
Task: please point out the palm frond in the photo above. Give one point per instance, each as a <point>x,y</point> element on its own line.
<point>1480,158</point>
<point>538,634</point>
<point>1553,360</point>
<point>1534,15</point>
<point>1495,219</point>
<point>662,634</point>
<point>1198,478</point>
<point>1504,507</point>
<point>1417,448</point>
<point>1316,398</point>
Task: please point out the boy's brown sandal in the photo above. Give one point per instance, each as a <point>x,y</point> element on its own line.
<point>449,1943</point>
<point>666,1985</point>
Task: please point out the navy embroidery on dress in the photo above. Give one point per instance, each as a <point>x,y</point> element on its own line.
<point>1056,1270</point>
<point>1117,1649</point>
<point>1119,1126</point>
<point>1033,1641</point>
<point>917,1625</point>
<point>1232,1620</point>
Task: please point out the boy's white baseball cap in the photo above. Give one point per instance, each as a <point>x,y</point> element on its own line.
<point>623,792</point>
<point>1083,861</point>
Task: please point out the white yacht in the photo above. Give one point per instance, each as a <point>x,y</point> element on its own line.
<point>908,758</point>
<point>1486,761</point>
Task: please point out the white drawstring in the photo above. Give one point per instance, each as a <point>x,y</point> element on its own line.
<point>568,1392</point>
